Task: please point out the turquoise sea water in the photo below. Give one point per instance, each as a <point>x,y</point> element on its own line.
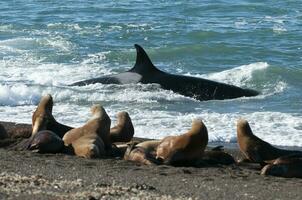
<point>46,45</point>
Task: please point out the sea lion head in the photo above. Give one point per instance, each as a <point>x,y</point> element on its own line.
<point>122,116</point>
<point>243,128</point>
<point>198,127</point>
<point>101,122</point>
<point>124,130</point>
<point>97,111</point>
<point>42,114</point>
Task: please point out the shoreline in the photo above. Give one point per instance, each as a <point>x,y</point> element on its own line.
<point>29,175</point>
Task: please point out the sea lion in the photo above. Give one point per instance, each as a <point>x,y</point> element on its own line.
<point>89,146</point>
<point>217,156</point>
<point>256,150</point>
<point>20,132</point>
<point>46,142</point>
<point>14,135</point>
<point>185,148</point>
<point>123,131</point>
<point>16,130</point>
<point>3,133</point>
<point>43,119</point>
<point>95,129</point>
<point>285,166</point>
<point>143,153</point>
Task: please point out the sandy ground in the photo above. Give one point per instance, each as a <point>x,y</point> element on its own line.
<point>28,175</point>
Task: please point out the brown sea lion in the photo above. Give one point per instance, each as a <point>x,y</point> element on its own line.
<point>13,134</point>
<point>89,146</point>
<point>86,138</point>
<point>185,148</point>
<point>143,153</point>
<point>16,130</point>
<point>46,142</point>
<point>43,119</point>
<point>285,166</point>
<point>256,150</point>
<point>123,131</point>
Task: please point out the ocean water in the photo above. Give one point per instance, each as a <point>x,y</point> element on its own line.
<point>46,45</point>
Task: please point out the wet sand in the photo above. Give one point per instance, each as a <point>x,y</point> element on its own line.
<point>28,175</point>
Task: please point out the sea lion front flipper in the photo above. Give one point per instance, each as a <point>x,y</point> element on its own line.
<point>255,157</point>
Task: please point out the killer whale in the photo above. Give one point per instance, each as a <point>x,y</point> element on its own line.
<point>145,72</point>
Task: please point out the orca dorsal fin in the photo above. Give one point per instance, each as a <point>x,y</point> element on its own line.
<point>143,63</point>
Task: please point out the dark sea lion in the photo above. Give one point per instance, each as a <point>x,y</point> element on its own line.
<point>256,150</point>
<point>185,148</point>
<point>285,166</point>
<point>90,139</point>
<point>3,133</point>
<point>46,142</point>
<point>43,119</point>
<point>123,131</point>
<point>143,153</point>
<point>217,156</point>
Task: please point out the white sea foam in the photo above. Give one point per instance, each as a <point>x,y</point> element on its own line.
<point>72,26</point>
<point>222,127</point>
<point>279,29</point>
<point>72,108</point>
<point>27,66</point>
<point>278,23</point>
<point>274,127</point>
<point>29,43</point>
<point>58,43</point>
<point>18,95</point>
<point>239,75</point>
